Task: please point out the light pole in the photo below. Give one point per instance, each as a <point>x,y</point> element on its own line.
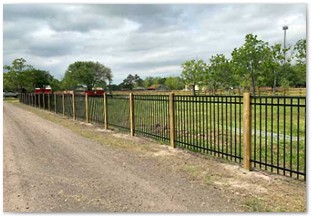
<point>284,70</point>
<point>285,28</point>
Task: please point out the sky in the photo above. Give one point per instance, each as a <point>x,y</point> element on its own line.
<point>148,40</point>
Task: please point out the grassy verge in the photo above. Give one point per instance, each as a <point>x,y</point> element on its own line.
<point>10,100</point>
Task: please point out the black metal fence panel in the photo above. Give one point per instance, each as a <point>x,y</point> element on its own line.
<point>68,105</point>
<point>80,107</point>
<point>119,112</point>
<point>46,101</point>
<point>52,104</point>
<point>96,109</point>
<point>210,124</point>
<point>151,116</point>
<point>36,100</point>
<point>59,103</point>
<point>279,135</point>
<point>40,100</point>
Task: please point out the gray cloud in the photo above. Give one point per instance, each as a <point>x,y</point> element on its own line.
<point>148,39</point>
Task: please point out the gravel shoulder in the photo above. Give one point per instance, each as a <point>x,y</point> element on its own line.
<point>54,164</point>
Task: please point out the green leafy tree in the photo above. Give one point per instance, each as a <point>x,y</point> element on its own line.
<point>274,67</point>
<point>193,73</point>
<point>131,81</point>
<point>12,79</point>
<point>174,83</point>
<point>219,73</point>
<point>91,74</point>
<point>23,77</point>
<point>248,60</point>
<point>300,68</point>
<point>35,78</point>
<point>149,81</point>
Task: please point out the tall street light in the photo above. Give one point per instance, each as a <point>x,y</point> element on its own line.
<point>285,28</point>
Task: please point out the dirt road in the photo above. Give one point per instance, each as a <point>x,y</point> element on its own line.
<point>48,168</point>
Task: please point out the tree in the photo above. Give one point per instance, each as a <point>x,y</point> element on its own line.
<point>174,83</point>
<point>193,72</point>
<point>34,78</point>
<point>148,81</point>
<point>219,73</point>
<point>274,67</point>
<point>91,74</point>
<point>12,79</point>
<point>22,77</point>
<point>248,60</point>
<point>131,81</point>
<point>300,68</point>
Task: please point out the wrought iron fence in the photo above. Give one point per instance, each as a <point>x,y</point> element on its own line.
<point>208,124</point>
<point>118,109</point>
<point>59,103</point>
<point>279,134</point>
<point>68,105</point>
<point>96,109</point>
<point>52,104</point>
<point>151,116</point>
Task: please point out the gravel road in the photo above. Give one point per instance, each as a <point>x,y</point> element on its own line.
<point>49,168</point>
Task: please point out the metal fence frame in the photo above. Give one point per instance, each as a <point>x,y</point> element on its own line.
<point>265,132</point>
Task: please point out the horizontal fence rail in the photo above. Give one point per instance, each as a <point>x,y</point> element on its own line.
<point>262,132</point>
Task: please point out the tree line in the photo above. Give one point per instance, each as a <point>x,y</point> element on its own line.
<point>252,65</point>
<point>21,77</point>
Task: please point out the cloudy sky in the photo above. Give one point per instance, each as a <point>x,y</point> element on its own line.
<point>148,40</point>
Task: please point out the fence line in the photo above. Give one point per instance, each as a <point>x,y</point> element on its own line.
<point>263,132</point>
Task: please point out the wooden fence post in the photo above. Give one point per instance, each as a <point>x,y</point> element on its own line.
<point>73,106</point>
<point>86,108</point>
<point>63,102</point>
<point>172,120</point>
<point>247,131</point>
<point>105,112</point>
<point>132,125</point>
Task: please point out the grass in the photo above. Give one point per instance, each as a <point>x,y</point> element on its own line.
<point>10,100</point>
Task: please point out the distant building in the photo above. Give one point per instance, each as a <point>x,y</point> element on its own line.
<point>139,88</point>
<point>189,87</point>
<point>159,87</point>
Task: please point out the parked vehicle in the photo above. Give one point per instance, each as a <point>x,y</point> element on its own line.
<point>10,94</point>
